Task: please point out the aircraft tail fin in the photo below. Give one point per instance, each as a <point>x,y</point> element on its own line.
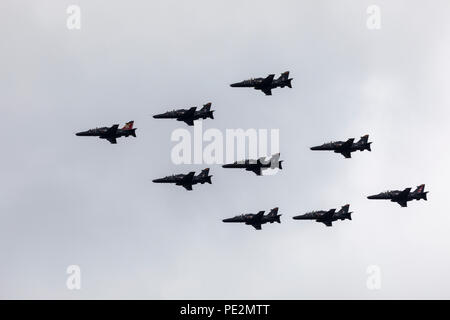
<point>284,76</point>
<point>275,161</point>
<point>128,125</point>
<point>204,172</point>
<point>420,189</point>
<point>421,192</point>
<point>364,139</point>
<point>344,209</point>
<point>273,212</point>
<point>206,107</point>
<point>205,175</point>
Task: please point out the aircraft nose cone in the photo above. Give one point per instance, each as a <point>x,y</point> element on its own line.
<point>158,116</point>
<point>315,148</point>
<point>228,220</point>
<point>373,197</point>
<point>157,180</point>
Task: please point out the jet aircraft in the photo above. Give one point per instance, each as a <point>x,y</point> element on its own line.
<point>188,115</point>
<point>327,217</point>
<point>257,166</point>
<point>112,133</point>
<point>266,84</point>
<point>347,147</point>
<point>187,180</point>
<point>256,220</point>
<point>402,197</point>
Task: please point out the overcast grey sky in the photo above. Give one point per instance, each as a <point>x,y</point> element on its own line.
<point>73,200</point>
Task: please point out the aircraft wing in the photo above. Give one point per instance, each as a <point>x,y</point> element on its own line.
<point>267,91</point>
<point>327,223</point>
<point>329,214</point>
<point>189,177</point>
<point>257,220</point>
<point>404,194</point>
<point>256,170</point>
<point>347,154</point>
<point>188,116</point>
<point>347,144</point>
<point>190,112</point>
<point>188,186</point>
<point>112,131</point>
<point>112,140</point>
<point>267,81</point>
<point>257,226</point>
<point>402,203</point>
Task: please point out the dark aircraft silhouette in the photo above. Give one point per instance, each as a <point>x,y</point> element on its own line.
<point>187,180</point>
<point>402,197</point>
<point>256,220</point>
<point>112,133</point>
<point>188,115</point>
<point>257,166</point>
<point>266,84</point>
<point>347,147</point>
<point>327,217</point>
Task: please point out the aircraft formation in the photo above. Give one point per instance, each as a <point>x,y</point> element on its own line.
<point>187,181</point>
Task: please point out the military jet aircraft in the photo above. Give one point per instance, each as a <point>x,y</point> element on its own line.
<point>112,133</point>
<point>266,84</point>
<point>188,115</point>
<point>347,147</point>
<point>256,220</point>
<point>402,197</point>
<point>187,180</point>
<point>257,166</point>
<point>327,217</point>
